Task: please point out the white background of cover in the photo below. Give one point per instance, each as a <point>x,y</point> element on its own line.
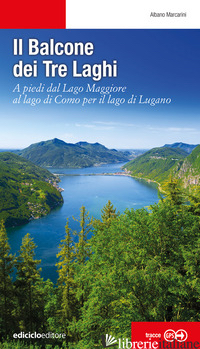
<point>130,14</point>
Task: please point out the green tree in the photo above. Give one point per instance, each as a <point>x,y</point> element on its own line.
<point>194,199</point>
<point>66,283</point>
<point>82,249</point>
<point>29,286</point>
<point>144,266</point>
<point>82,254</point>
<point>6,286</point>
<point>174,191</point>
<point>108,212</point>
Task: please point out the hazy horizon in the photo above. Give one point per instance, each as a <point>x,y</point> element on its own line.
<point>117,148</point>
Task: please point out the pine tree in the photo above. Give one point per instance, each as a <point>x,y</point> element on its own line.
<point>82,254</point>
<point>82,247</point>
<point>66,284</point>
<point>28,284</point>
<point>6,286</point>
<point>108,213</point>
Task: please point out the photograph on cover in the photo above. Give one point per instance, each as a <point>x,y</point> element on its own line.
<point>99,184</point>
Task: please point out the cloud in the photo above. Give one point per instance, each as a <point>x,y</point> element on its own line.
<point>173,129</point>
<point>95,127</point>
<point>84,125</point>
<point>105,125</point>
<point>112,123</point>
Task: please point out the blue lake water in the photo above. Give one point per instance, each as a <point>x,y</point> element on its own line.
<point>81,188</point>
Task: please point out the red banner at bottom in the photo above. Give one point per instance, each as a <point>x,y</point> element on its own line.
<point>165,335</point>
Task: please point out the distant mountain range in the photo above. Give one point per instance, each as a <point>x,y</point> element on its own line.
<point>179,159</point>
<point>184,146</point>
<point>59,154</point>
<point>26,190</point>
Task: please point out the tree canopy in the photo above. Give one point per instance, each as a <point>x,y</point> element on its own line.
<point>141,265</point>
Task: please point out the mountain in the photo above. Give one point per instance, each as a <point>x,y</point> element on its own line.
<point>157,163</point>
<point>56,153</point>
<point>184,146</point>
<point>189,171</point>
<point>26,191</point>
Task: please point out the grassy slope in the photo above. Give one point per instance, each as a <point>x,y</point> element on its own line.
<point>24,190</point>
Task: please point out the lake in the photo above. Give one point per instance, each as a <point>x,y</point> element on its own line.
<point>86,187</point>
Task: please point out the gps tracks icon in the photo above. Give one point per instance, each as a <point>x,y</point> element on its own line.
<point>171,335</point>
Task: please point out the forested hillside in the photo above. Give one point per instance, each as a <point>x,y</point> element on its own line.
<point>26,190</point>
<point>142,265</point>
<point>190,169</point>
<point>157,163</point>
<point>59,154</point>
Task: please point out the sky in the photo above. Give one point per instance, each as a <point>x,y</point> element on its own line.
<point>150,63</point>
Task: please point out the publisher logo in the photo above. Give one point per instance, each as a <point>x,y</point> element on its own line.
<point>108,341</point>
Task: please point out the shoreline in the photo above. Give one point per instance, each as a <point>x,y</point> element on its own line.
<point>144,179</point>
<point>125,174</point>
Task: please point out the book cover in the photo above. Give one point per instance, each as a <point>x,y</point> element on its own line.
<point>99,185</point>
